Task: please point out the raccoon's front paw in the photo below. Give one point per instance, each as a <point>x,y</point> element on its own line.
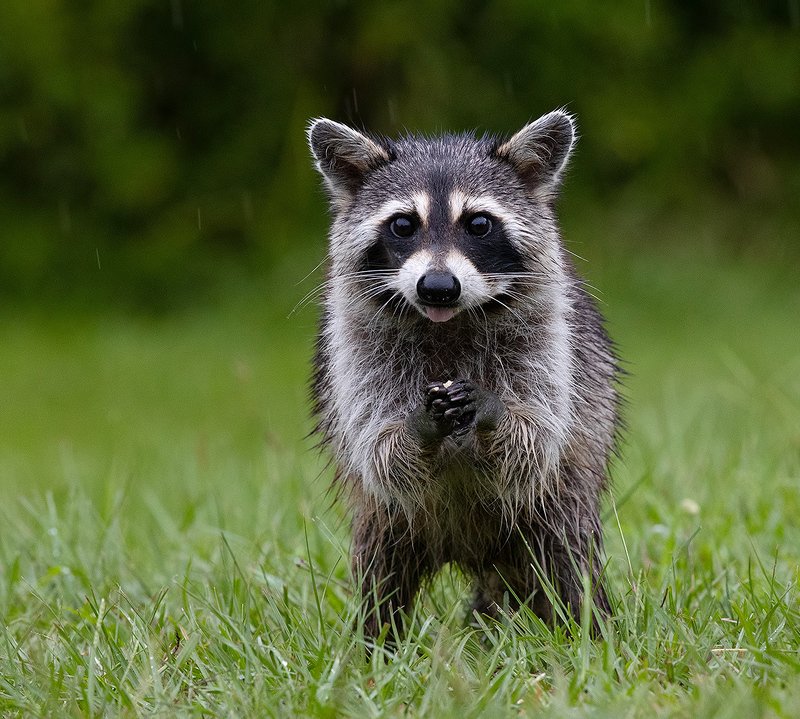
<point>451,405</point>
<point>454,409</point>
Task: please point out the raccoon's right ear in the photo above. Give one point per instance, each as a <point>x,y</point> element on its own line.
<point>343,156</point>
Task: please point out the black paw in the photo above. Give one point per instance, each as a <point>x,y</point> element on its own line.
<point>452,406</point>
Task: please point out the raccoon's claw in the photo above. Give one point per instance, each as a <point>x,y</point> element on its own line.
<point>451,405</point>
<point>434,392</point>
<point>454,409</point>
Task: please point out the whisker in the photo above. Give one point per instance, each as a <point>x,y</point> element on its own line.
<point>307,298</point>
<point>574,254</point>
<point>361,276</point>
<point>300,282</point>
<point>369,293</point>
<point>511,310</point>
<point>379,310</point>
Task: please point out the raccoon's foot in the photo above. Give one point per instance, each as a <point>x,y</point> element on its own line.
<point>454,409</point>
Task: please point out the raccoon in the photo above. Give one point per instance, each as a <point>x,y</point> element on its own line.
<point>463,378</point>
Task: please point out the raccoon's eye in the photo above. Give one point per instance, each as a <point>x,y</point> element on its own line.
<point>479,225</point>
<point>403,226</point>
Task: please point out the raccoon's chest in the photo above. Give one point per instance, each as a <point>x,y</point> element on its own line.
<point>419,360</point>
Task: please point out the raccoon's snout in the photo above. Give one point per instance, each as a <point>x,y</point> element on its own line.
<point>438,288</point>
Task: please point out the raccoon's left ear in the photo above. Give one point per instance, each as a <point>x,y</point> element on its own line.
<point>343,156</point>
<point>540,150</point>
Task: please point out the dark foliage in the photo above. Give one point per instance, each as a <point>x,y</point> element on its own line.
<point>143,143</point>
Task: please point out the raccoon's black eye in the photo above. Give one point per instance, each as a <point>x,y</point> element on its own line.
<point>479,225</point>
<point>403,226</point>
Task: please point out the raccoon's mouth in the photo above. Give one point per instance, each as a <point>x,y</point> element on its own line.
<point>392,300</point>
<point>443,313</point>
<point>439,313</point>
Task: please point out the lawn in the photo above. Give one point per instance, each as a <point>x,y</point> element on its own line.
<point>168,545</point>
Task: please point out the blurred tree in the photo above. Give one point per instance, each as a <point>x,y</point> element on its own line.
<point>142,143</point>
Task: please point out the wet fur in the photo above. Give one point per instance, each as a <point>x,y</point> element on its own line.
<point>501,500</point>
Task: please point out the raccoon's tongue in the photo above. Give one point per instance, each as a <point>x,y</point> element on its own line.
<point>439,314</point>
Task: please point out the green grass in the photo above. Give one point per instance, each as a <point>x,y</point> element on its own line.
<point>168,546</point>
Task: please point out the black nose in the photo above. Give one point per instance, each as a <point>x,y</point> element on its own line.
<point>438,288</point>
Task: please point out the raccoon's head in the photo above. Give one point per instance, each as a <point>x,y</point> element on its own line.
<point>446,224</point>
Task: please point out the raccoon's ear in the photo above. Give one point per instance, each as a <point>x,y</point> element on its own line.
<point>343,156</point>
<point>540,150</point>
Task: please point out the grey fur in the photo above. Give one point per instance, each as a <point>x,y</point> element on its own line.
<point>513,478</point>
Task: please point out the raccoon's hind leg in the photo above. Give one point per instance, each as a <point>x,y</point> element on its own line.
<point>489,595</point>
<point>539,553</point>
<point>564,563</point>
<point>389,566</point>
<point>561,554</point>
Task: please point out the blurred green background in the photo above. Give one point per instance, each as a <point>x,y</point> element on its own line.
<point>160,221</point>
<point>160,225</point>
<point>151,148</point>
